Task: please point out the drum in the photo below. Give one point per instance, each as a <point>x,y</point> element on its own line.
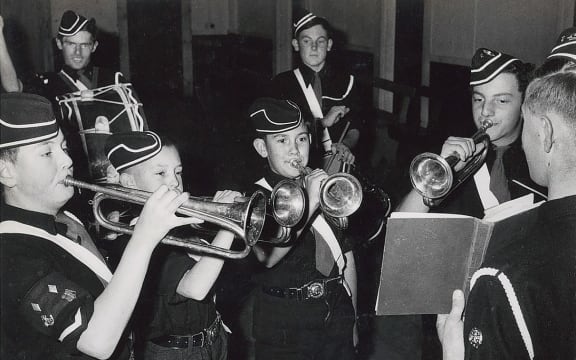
<point>90,116</point>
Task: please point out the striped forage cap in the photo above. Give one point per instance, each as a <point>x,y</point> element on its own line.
<point>565,45</point>
<point>25,119</point>
<point>487,64</point>
<point>272,116</point>
<point>126,149</point>
<point>72,23</point>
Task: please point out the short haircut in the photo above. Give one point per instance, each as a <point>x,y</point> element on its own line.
<point>9,154</point>
<point>554,93</point>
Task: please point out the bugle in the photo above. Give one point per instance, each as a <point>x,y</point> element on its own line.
<point>288,203</point>
<point>433,177</point>
<point>244,219</point>
<point>340,195</point>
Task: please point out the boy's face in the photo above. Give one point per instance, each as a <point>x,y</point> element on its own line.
<point>282,148</point>
<point>499,101</point>
<point>313,45</point>
<point>163,169</point>
<point>35,178</point>
<point>77,49</point>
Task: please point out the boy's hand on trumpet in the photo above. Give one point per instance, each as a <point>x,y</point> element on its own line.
<point>159,215</point>
<point>464,148</point>
<point>313,183</point>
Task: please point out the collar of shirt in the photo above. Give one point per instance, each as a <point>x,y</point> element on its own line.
<point>555,210</point>
<point>75,74</point>
<point>308,73</point>
<point>272,178</point>
<point>40,220</point>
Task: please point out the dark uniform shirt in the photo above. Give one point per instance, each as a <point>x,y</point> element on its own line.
<point>539,259</point>
<point>338,88</point>
<point>298,267</point>
<point>44,291</point>
<point>287,328</point>
<point>161,310</point>
<point>465,200</point>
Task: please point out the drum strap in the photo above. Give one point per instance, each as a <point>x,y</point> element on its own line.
<point>75,85</point>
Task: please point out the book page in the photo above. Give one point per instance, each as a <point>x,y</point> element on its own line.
<point>421,215</point>
<point>510,208</point>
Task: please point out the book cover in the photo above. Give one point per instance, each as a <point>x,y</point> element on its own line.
<point>429,255</point>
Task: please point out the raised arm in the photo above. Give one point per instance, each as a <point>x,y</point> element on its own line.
<point>197,282</point>
<point>113,308</point>
<point>10,81</point>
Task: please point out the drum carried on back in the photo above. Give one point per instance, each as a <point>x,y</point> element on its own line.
<point>96,114</point>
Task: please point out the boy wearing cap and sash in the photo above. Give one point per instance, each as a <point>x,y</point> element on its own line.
<point>176,316</point>
<point>59,300</point>
<point>498,82</point>
<point>327,96</point>
<point>304,305</point>
<point>77,42</point>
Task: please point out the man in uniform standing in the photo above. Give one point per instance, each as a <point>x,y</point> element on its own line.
<point>327,95</point>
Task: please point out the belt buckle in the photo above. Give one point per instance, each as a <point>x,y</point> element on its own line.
<point>315,290</point>
<point>199,339</point>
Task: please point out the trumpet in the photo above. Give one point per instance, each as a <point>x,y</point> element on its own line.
<point>340,195</point>
<point>244,219</point>
<point>433,177</point>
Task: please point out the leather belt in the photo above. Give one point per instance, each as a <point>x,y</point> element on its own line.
<point>205,337</point>
<point>315,289</point>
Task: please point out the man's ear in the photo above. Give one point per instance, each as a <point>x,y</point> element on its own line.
<point>295,45</point>
<point>330,43</point>
<point>95,46</point>
<point>547,132</point>
<point>7,177</point>
<point>127,180</point>
<point>59,43</point>
<point>260,146</point>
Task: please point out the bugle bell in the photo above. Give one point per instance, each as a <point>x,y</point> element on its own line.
<point>433,177</point>
<point>244,219</point>
<point>288,203</point>
<point>340,194</point>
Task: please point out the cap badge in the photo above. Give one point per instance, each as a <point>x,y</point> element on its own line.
<point>475,337</point>
<point>48,320</point>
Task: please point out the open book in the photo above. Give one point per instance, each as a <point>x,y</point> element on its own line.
<point>429,255</point>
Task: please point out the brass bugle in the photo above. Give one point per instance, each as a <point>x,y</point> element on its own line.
<point>340,194</point>
<point>433,177</point>
<point>288,204</point>
<point>244,219</point>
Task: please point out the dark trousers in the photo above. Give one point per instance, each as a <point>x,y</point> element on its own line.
<point>310,329</point>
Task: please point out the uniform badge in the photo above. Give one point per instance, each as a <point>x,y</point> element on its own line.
<point>35,307</point>
<point>475,337</point>
<point>69,295</point>
<point>53,289</point>
<point>48,320</point>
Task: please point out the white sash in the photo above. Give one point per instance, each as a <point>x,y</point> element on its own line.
<point>79,84</point>
<point>482,180</point>
<point>314,107</point>
<point>324,229</point>
<point>79,252</point>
